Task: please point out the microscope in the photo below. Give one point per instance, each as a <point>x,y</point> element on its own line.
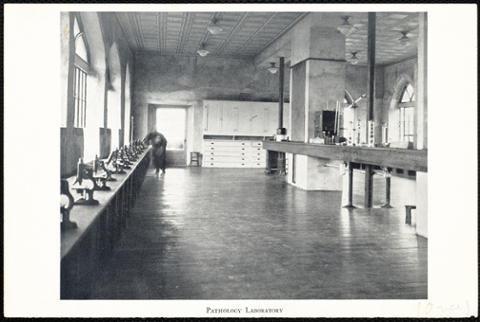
<point>123,159</point>
<point>137,145</point>
<point>84,184</point>
<point>113,165</point>
<point>66,204</point>
<point>100,178</point>
<point>143,144</point>
<point>130,156</point>
<point>133,152</point>
<point>108,173</point>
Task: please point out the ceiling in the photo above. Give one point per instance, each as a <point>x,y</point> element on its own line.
<point>246,34</point>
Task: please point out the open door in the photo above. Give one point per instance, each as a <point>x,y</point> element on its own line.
<point>171,122</point>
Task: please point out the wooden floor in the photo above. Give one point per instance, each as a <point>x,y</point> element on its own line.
<point>201,233</point>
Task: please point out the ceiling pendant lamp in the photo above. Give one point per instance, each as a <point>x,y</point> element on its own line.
<point>404,40</point>
<point>354,59</point>
<point>345,28</point>
<point>213,28</point>
<point>202,51</point>
<point>272,68</point>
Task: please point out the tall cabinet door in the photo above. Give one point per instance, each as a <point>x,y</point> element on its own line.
<point>230,118</point>
<point>259,120</point>
<point>244,118</point>
<point>212,117</point>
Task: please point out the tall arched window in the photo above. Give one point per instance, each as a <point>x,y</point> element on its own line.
<point>80,74</point>
<point>80,41</point>
<point>406,107</point>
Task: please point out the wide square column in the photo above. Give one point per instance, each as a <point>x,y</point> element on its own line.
<point>317,84</point>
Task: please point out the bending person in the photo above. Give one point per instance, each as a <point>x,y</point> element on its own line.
<point>159,150</point>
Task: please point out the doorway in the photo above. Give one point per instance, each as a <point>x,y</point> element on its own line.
<point>171,122</point>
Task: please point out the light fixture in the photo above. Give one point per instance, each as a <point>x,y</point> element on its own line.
<point>202,51</point>
<point>354,59</point>
<point>272,68</point>
<point>345,28</point>
<point>404,40</point>
<point>214,29</point>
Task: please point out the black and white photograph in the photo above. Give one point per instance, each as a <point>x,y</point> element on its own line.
<point>254,160</point>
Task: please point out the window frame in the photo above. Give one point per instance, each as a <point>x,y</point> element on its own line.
<point>80,98</point>
<point>81,36</point>
<point>80,75</point>
<point>406,117</point>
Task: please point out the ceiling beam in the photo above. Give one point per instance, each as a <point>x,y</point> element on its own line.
<point>185,32</point>
<point>259,30</point>
<point>235,29</point>
<point>279,47</point>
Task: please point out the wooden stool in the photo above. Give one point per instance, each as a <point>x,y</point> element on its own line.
<point>408,209</point>
<point>195,159</point>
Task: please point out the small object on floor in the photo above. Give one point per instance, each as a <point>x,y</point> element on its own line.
<point>194,159</point>
<point>408,210</point>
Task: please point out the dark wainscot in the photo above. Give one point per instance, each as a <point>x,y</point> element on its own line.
<point>85,250</point>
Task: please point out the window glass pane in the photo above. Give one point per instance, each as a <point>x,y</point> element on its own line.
<point>406,123</point>
<point>76,111</point>
<point>406,119</point>
<point>81,48</point>
<point>402,122</point>
<point>79,97</point>
<point>408,94</point>
<point>409,121</point>
<point>404,97</point>
<point>76,28</point>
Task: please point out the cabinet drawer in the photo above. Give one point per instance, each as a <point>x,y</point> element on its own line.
<point>233,154</point>
<point>216,164</point>
<point>224,158</point>
<point>227,148</point>
<point>256,149</point>
<point>228,153</point>
<point>227,143</point>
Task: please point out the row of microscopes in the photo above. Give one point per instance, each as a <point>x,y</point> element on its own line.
<point>93,176</point>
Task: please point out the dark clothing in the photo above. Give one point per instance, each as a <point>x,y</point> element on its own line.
<point>159,147</point>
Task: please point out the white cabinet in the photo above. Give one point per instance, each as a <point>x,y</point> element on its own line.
<point>244,119</point>
<point>233,154</point>
<point>212,117</point>
<point>229,119</point>
<point>233,133</point>
<point>240,118</point>
<point>260,121</point>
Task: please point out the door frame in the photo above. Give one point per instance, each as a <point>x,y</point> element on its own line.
<point>152,123</point>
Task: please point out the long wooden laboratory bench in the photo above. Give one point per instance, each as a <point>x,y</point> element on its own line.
<point>414,160</point>
<point>85,249</point>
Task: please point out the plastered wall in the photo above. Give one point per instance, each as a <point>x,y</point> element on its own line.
<point>102,33</point>
<point>187,81</point>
